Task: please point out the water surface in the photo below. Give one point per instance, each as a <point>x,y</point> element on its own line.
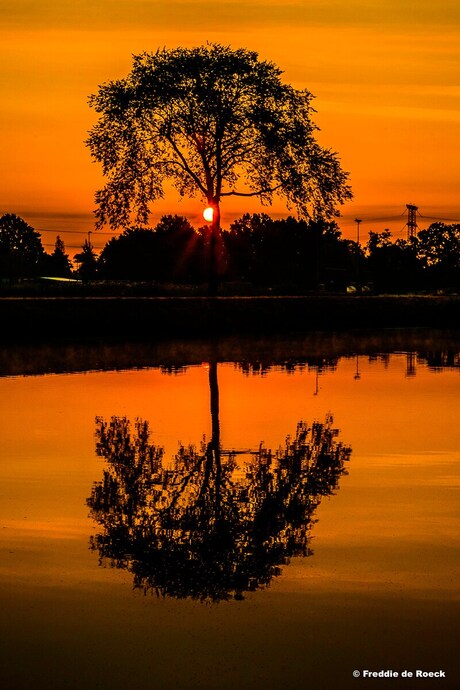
<point>335,555</point>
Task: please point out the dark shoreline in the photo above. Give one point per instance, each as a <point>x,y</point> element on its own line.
<point>27,319</point>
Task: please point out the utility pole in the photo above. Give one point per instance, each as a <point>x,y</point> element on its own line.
<point>357,221</point>
<point>358,258</point>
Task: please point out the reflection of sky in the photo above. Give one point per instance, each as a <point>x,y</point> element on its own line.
<point>398,505</point>
<point>381,588</point>
<point>385,77</point>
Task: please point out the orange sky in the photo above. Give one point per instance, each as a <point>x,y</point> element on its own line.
<point>385,76</point>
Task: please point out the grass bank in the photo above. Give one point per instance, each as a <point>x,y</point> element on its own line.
<point>160,318</point>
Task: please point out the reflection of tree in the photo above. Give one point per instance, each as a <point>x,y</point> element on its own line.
<point>290,365</point>
<point>203,525</point>
<point>440,360</point>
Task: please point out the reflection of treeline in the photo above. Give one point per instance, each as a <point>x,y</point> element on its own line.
<point>289,365</point>
<point>206,525</point>
<point>436,360</point>
<point>256,251</point>
<point>32,360</point>
<point>440,360</point>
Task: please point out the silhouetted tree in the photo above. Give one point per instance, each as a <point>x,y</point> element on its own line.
<point>58,263</point>
<point>169,252</point>
<point>20,248</point>
<point>289,253</point>
<point>179,248</point>
<point>131,256</point>
<point>438,249</point>
<point>87,261</point>
<point>340,261</point>
<point>392,266</point>
<point>378,240</point>
<point>209,119</point>
<point>205,527</point>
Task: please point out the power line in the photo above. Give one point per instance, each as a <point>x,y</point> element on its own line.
<point>78,232</point>
<point>383,218</point>
<point>72,246</point>
<point>450,220</point>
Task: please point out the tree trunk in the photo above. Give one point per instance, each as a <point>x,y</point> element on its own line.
<point>213,250</point>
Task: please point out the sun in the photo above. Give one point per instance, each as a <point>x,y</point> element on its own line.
<point>208,214</point>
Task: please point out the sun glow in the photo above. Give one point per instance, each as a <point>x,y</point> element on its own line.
<point>208,214</point>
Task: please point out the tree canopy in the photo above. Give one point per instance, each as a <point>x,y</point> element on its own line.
<point>213,121</point>
<point>87,261</point>
<point>440,245</point>
<point>20,247</point>
<point>58,263</point>
<point>167,253</point>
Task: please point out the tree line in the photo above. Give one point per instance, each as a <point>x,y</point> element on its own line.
<point>257,250</point>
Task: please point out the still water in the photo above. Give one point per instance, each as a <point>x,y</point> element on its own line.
<point>273,521</point>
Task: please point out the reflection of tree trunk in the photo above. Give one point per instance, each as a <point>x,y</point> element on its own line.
<point>214,445</point>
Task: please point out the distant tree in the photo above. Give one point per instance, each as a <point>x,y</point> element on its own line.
<point>131,256</point>
<point>392,266</point>
<point>438,249</point>
<point>87,261</point>
<point>378,240</point>
<point>179,248</point>
<point>58,263</point>
<point>20,248</point>
<point>215,122</point>
<point>288,252</point>
<point>169,252</point>
<point>245,244</point>
<point>342,262</point>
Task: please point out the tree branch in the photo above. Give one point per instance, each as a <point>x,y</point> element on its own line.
<point>187,169</point>
<point>267,190</point>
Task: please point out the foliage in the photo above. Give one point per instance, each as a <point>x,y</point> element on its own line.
<point>392,266</point>
<point>172,251</point>
<point>179,250</point>
<point>215,122</point>
<point>378,240</point>
<point>440,244</point>
<point>20,248</point>
<point>87,261</point>
<point>58,263</point>
<point>438,249</point>
<point>287,252</point>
